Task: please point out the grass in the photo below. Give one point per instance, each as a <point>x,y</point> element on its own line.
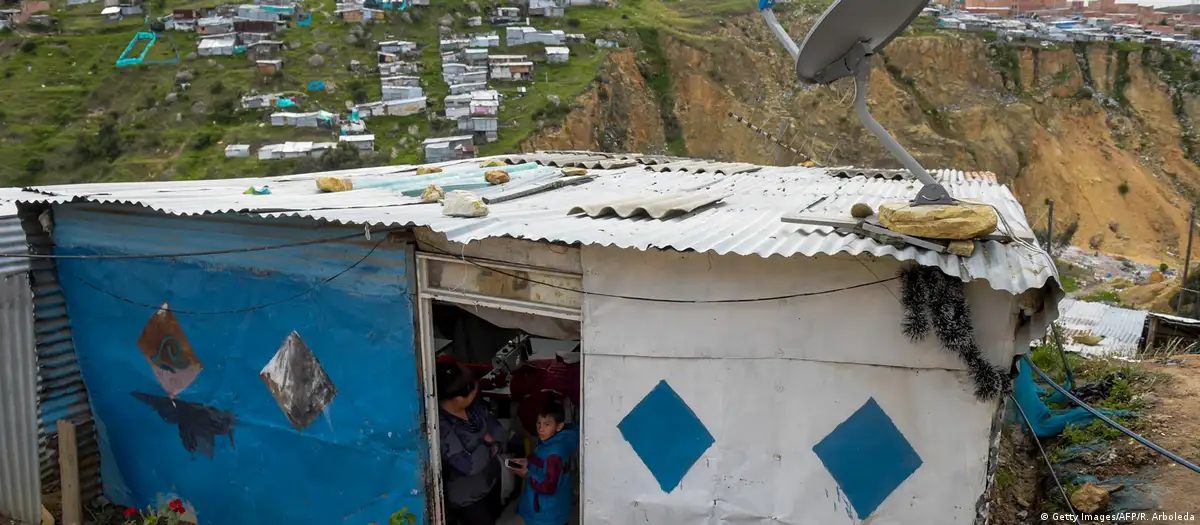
<point>1104,296</point>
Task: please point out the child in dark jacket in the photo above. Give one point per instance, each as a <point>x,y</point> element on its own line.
<point>549,472</point>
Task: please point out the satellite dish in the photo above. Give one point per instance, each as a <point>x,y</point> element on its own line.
<point>845,25</point>
<point>840,45</point>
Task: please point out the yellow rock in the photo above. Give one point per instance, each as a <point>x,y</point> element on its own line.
<point>47,517</point>
<point>494,163</point>
<point>496,177</point>
<point>1157,277</point>
<point>427,170</point>
<point>1087,339</point>
<point>964,221</point>
<point>433,194</point>
<point>1091,498</point>
<point>961,248</point>
<point>334,184</point>
<point>574,172</point>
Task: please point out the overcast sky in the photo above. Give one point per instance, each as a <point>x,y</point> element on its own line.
<point>1160,3</point>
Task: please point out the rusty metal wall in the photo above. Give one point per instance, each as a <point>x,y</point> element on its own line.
<point>61,392</point>
<point>20,486</point>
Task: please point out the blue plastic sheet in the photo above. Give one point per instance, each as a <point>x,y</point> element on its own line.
<point>285,103</point>
<point>316,85</point>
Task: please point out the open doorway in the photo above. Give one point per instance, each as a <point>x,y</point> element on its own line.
<point>522,363</point>
<point>517,330</point>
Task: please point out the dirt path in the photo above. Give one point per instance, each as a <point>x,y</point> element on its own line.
<point>1175,416</point>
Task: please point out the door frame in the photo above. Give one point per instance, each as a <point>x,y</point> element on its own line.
<point>427,293</point>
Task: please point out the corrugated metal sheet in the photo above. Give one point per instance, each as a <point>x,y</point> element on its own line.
<point>20,483</point>
<point>61,392</point>
<point>655,206</point>
<point>12,240</point>
<point>1121,328</point>
<point>748,222</point>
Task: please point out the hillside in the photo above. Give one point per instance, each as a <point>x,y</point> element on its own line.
<point>1104,131</point>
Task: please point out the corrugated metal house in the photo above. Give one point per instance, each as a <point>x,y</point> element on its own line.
<point>263,27</point>
<point>400,68</point>
<point>237,150</point>
<point>442,149</point>
<point>464,74</point>
<point>311,119</point>
<point>453,44</point>
<point>402,92</point>
<point>329,387</point>
<point>400,80</point>
<point>214,25</point>
<point>558,55</point>
<point>516,36</point>
<point>217,45</point>
<point>475,56</point>
<point>393,108</point>
<point>488,40</point>
<point>291,150</point>
<point>459,89</point>
<point>256,12</point>
<point>511,71</point>
<point>262,49</point>
<point>269,66</point>
<point>360,142</point>
<point>398,47</point>
<point>505,15</point>
<point>260,101</point>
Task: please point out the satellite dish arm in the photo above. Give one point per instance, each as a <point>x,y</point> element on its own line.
<point>764,7</point>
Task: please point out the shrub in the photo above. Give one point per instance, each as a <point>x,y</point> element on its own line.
<point>1162,268</point>
<point>573,22</point>
<point>1123,188</point>
<point>28,46</point>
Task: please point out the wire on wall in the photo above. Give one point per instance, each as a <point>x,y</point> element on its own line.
<point>311,289</point>
<point>655,299</point>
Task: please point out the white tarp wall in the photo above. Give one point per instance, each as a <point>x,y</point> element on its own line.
<point>769,381</point>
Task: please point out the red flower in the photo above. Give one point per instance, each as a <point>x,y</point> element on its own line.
<point>177,506</point>
<point>130,511</point>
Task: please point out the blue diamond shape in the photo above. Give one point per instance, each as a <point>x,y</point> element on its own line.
<point>868,457</point>
<point>666,435</point>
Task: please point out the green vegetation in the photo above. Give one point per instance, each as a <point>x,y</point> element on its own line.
<point>1121,76</point>
<point>1104,296</point>
<point>1123,188</point>
<point>72,116</point>
<point>938,120</point>
<point>1005,59</point>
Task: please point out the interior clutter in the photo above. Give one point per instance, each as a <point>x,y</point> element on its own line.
<point>523,363</point>
<point>932,299</point>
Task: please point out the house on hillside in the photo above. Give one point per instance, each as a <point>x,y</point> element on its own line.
<point>505,16</point>
<point>398,47</point>
<point>401,92</point>
<point>217,45</point>
<point>511,71</point>
<point>183,20</point>
<point>452,44</point>
<point>475,56</point>
<point>550,8</point>
<point>488,40</point>
<point>610,281</point>
<point>313,119</point>
<point>459,89</point>
<point>442,149</point>
<point>269,66</point>
<point>214,25</point>
<point>558,55</point>
<point>264,49</point>
<point>400,68</point>
<point>392,108</point>
<point>363,143</point>
<point>237,151</point>
<point>260,101</point>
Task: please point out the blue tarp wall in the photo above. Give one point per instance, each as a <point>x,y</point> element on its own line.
<point>350,446</point>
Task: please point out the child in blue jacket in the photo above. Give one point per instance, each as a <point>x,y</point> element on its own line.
<point>549,472</point>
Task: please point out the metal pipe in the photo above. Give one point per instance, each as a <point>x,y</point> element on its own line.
<point>781,34</point>
<point>1153,446</point>
<point>894,148</point>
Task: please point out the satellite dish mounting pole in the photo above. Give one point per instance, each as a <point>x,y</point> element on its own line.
<point>860,28</point>
<point>858,60</point>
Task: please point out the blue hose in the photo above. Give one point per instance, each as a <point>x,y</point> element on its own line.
<point>1153,446</point>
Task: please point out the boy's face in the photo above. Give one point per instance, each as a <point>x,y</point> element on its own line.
<point>547,427</point>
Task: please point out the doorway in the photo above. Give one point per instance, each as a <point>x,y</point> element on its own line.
<point>518,330</point>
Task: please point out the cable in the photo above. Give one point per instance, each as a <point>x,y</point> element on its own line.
<point>187,254</point>
<point>1153,446</point>
<point>311,289</point>
<point>1045,457</point>
<point>657,300</point>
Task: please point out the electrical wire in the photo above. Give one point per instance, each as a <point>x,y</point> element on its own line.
<point>189,254</point>
<point>311,289</point>
<point>1153,446</point>
<point>658,300</point>
<point>1045,457</point>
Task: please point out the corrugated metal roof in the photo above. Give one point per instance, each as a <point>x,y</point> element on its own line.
<point>1121,328</point>
<point>746,222</point>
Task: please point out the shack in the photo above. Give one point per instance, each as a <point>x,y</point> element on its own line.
<point>442,149</point>
<point>312,119</point>
<point>614,278</point>
<point>398,47</point>
<point>363,143</point>
<point>217,45</point>
<point>214,25</point>
<point>558,55</point>
<point>237,150</point>
<point>393,108</point>
<point>401,92</point>
<point>511,71</point>
<point>269,66</point>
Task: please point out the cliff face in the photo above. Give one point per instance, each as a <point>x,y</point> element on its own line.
<point>1103,131</point>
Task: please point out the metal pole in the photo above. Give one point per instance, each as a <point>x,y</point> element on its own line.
<point>778,149</point>
<point>1050,231</point>
<point>1187,256</point>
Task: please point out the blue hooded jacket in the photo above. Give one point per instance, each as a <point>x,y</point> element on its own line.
<point>549,483</point>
